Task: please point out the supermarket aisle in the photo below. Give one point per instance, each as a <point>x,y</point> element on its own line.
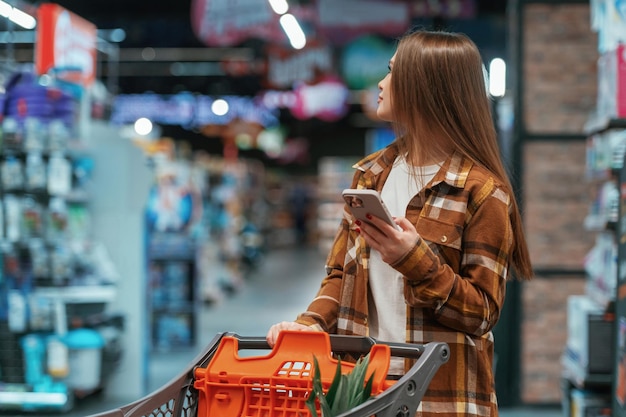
<point>281,286</point>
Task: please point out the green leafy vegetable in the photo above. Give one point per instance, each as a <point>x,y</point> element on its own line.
<point>345,392</point>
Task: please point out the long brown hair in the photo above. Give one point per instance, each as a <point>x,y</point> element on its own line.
<point>440,104</point>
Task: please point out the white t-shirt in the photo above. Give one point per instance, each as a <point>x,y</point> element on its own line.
<point>387,308</point>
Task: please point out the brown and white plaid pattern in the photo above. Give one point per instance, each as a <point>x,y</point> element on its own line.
<point>455,278</point>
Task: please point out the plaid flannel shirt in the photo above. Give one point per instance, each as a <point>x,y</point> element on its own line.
<point>455,278</point>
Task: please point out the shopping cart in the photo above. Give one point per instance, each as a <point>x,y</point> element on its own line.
<point>221,383</point>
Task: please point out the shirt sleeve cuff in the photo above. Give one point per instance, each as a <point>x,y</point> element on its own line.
<point>417,264</point>
<point>308,321</point>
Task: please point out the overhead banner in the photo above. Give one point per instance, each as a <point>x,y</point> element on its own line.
<point>449,9</point>
<point>287,66</point>
<point>342,21</point>
<point>229,22</point>
<point>188,111</point>
<point>66,44</point>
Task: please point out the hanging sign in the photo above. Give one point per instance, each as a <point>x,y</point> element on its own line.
<point>286,66</point>
<point>229,22</point>
<point>189,111</point>
<point>66,43</point>
<point>451,9</point>
<point>327,100</point>
<point>342,21</point>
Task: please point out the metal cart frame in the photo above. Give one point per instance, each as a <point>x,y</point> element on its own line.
<point>179,398</point>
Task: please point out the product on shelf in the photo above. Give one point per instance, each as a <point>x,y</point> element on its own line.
<point>12,173</point>
<point>56,281</point>
<point>36,176</point>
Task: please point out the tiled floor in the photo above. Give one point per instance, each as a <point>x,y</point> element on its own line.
<point>281,286</point>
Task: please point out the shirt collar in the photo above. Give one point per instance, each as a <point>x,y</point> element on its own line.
<point>453,171</point>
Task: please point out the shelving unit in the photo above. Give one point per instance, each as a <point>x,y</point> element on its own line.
<point>56,279</point>
<point>589,369</point>
<point>619,335</point>
<point>335,175</point>
<point>172,288</point>
<point>594,362</point>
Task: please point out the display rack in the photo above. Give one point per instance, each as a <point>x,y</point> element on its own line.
<point>172,290</point>
<point>57,281</point>
<point>335,175</point>
<point>619,335</point>
<point>594,360</point>
<point>588,359</point>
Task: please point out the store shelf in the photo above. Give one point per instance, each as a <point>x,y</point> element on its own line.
<point>589,358</point>
<point>82,294</point>
<point>578,375</point>
<point>62,296</point>
<point>596,223</point>
<point>601,124</point>
<point>34,400</point>
<point>171,246</point>
<point>603,297</point>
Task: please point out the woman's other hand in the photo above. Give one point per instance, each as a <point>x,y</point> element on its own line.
<point>391,243</point>
<point>272,334</point>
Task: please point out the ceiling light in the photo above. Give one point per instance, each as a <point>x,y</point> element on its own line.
<point>143,126</point>
<point>497,77</point>
<point>23,19</point>
<point>219,107</point>
<point>5,9</point>
<point>17,16</point>
<point>279,6</point>
<point>293,31</point>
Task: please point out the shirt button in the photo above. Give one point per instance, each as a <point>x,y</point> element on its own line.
<point>444,239</point>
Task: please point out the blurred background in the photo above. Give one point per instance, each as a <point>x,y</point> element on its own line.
<point>166,166</point>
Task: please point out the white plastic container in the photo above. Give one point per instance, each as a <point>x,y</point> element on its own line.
<point>85,359</point>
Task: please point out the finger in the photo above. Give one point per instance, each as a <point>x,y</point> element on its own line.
<point>369,239</point>
<point>371,233</point>
<point>269,338</point>
<point>403,222</point>
<point>272,334</point>
<point>382,226</point>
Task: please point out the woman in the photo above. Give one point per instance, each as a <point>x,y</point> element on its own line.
<point>443,276</point>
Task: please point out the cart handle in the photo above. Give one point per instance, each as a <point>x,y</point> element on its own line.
<point>341,344</point>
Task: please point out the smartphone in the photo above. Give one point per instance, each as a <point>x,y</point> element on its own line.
<point>364,201</point>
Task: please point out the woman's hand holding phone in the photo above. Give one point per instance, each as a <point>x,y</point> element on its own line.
<point>364,202</point>
<point>391,243</point>
<point>391,237</point>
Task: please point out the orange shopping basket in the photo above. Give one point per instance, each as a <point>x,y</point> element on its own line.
<point>221,383</point>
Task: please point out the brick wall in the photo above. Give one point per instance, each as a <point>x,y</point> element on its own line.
<point>544,334</point>
<point>560,67</point>
<point>559,81</point>
<point>556,200</point>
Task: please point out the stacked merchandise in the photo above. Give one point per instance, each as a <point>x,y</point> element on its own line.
<point>205,220</point>
<point>54,282</point>
<point>608,19</point>
<point>593,358</point>
<point>335,174</point>
<point>231,238</point>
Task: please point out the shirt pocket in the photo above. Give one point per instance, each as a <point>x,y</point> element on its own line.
<point>439,232</point>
